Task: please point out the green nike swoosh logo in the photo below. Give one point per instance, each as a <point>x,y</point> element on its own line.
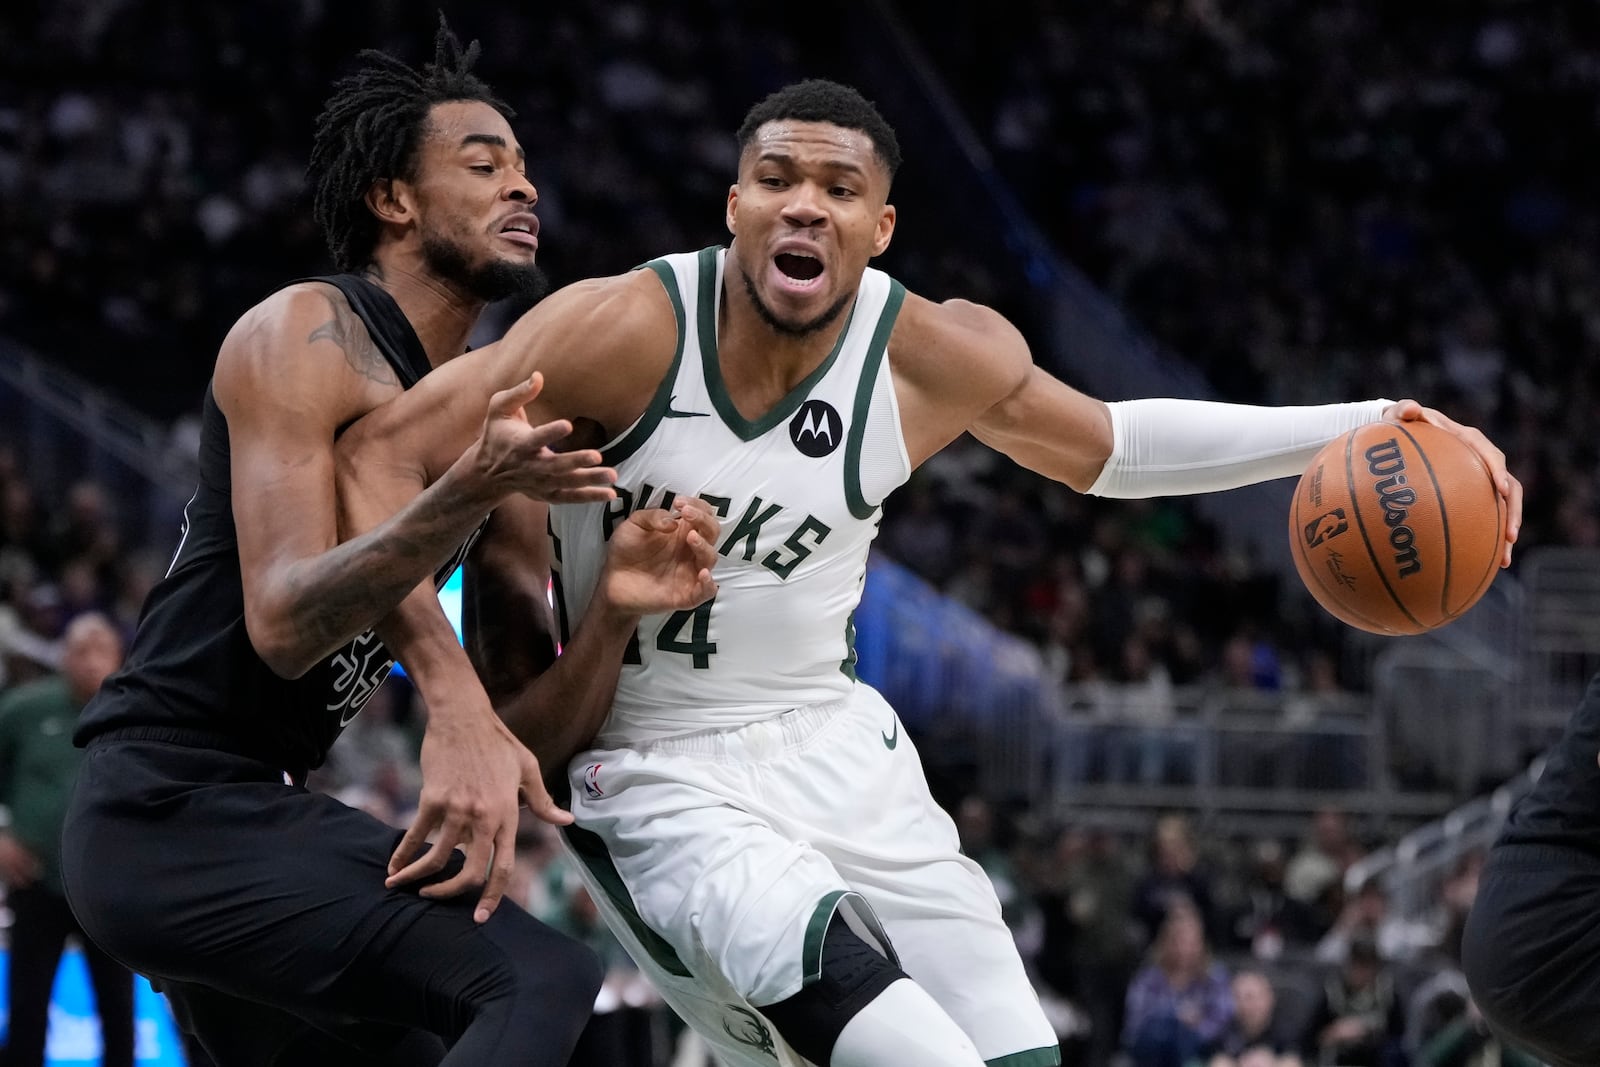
<point>672,413</point>
<point>891,740</point>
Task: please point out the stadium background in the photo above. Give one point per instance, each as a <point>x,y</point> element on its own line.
<point>1268,201</point>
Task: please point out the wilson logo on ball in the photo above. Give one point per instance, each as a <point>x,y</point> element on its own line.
<point>1386,462</point>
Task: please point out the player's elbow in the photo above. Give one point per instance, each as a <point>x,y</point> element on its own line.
<point>278,643</point>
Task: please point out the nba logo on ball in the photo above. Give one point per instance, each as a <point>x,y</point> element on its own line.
<point>591,782</point>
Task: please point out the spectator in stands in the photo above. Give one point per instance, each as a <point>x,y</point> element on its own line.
<point>1321,860</point>
<point>983,840</point>
<point>1360,1020</point>
<point>1256,1037</point>
<point>1367,916</point>
<point>1180,1003</point>
<point>1268,919</point>
<point>37,767</point>
<point>1090,943</point>
<point>1175,877</point>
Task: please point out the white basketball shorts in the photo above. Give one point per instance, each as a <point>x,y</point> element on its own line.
<point>719,859</point>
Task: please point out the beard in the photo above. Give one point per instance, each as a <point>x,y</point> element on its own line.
<point>795,329</point>
<point>489,282</point>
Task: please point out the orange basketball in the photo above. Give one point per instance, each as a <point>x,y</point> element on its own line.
<point>1396,528</point>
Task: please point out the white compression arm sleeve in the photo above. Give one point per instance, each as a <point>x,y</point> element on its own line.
<point>1172,447</point>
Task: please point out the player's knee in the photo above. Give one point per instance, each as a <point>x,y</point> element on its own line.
<point>542,979</point>
<point>562,978</point>
<point>852,974</point>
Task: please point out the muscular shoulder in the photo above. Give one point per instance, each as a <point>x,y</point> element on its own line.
<point>303,346</point>
<point>957,351</point>
<point>603,345</point>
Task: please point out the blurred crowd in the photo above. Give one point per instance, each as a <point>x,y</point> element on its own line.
<point>1311,202</point>
<point>1324,200</point>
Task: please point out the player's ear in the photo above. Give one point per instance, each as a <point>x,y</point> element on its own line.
<point>885,232</point>
<point>733,207</point>
<point>390,201</point>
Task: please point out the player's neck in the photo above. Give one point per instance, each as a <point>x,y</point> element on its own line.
<point>441,314</point>
<point>768,361</point>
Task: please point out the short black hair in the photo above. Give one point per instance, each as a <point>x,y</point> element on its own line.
<point>371,129</point>
<point>820,100</point>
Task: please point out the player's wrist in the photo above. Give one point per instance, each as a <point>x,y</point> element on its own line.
<point>609,609</point>
<point>468,486</point>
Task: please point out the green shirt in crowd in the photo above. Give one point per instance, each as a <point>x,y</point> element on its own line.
<point>37,765</point>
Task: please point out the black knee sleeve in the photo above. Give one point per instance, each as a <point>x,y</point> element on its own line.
<point>853,973</point>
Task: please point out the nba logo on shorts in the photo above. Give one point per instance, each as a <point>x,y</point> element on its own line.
<point>591,782</point>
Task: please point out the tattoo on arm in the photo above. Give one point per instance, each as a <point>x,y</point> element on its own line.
<point>347,331</point>
<point>352,586</point>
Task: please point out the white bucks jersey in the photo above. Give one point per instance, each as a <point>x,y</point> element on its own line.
<point>797,490</point>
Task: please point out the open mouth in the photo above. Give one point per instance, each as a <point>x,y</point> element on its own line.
<point>522,231</point>
<point>799,267</point>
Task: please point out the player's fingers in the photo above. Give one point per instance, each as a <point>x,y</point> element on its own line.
<point>459,833</point>
<point>429,863</point>
<point>416,836</point>
<point>1513,518</point>
<point>703,548</point>
<point>586,461</point>
<point>702,522</point>
<point>707,587</point>
<point>508,402</point>
<point>539,801</point>
<point>1403,411</point>
<point>505,843</point>
<point>469,877</point>
<point>548,433</point>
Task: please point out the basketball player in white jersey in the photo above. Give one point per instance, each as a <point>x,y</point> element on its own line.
<point>752,818</point>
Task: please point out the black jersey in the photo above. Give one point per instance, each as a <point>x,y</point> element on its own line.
<point>1564,804</point>
<point>191,664</point>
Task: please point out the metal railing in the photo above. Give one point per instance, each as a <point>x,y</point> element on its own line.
<point>67,430</point>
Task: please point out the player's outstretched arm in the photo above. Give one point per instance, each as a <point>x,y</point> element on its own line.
<point>1166,447</point>
<point>291,373</point>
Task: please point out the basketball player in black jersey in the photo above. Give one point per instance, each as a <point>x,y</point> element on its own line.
<point>287,927</point>
<point>1531,948</point>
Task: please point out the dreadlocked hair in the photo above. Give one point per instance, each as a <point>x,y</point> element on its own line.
<point>371,130</point>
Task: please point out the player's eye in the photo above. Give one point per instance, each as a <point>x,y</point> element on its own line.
<point>483,168</point>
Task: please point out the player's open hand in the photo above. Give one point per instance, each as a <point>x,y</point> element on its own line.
<point>1506,482</point>
<point>661,560</point>
<point>517,457</point>
<point>475,776</point>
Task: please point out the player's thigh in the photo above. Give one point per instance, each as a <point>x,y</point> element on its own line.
<point>703,997</point>
<point>224,877</point>
<point>242,1033</point>
<point>703,874</point>
<point>937,907</point>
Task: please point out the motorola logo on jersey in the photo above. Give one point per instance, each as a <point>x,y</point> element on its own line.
<point>816,429</point>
